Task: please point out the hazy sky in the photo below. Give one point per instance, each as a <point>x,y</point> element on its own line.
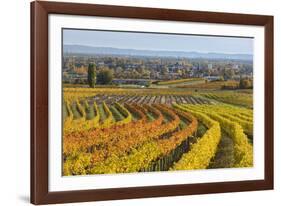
<point>152,41</point>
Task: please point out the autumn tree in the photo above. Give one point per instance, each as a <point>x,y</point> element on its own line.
<point>245,84</point>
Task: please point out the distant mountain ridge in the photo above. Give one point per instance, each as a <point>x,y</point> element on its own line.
<point>80,49</point>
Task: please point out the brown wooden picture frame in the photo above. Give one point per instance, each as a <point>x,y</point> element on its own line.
<point>39,102</point>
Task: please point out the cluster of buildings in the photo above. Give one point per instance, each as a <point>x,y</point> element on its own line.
<point>140,70</point>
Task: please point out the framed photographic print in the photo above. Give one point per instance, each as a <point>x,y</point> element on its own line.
<point>131,102</point>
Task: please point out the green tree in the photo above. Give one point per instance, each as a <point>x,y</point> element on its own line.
<point>92,75</point>
<point>105,76</point>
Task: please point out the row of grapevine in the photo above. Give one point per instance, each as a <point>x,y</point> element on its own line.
<point>73,145</point>
<point>137,113</point>
<point>69,118</point>
<point>230,113</point>
<point>143,156</point>
<point>86,122</point>
<point>240,99</point>
<point>178,81</point>
<point>124,144</point>
<point>230,84</point>
<point>242,148</point>
<point>81,124</point>
<point>204,150</point>
<point>109,120</point>
<point>166,145</point>
<point>160,142</point>
<point>114,140</point>
<point>95,120</point>
<point>113,151</point>
<point>150,99</point>
<point>82,140</point>
<point>90,92</point>
<point>77,94</point>
<point>246,125</point>
<point>81,110</point>
<point>241,113</point>
<point>164,163</point>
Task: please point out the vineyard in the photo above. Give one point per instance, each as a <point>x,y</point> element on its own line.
<point>212,85</point>
<point>121,131</point>
<point>170,82</point>
<point>149,99</point>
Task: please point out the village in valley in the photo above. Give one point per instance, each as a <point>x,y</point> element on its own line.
<point>144,71</point>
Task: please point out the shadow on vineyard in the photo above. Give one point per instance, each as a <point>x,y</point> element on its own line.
<point>76,113</point>
<point>224,157</point>
<point>201,130</point>
<point>250,138</point>
<point>164,163</point>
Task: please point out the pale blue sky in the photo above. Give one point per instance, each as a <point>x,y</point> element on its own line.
<point>152,41</point>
